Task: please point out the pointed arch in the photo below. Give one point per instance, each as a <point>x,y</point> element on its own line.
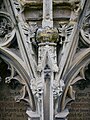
<point>19,65</point>
<point>79,62</point>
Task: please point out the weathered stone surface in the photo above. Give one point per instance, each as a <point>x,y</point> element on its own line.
<point>9,109</point>
<point>80,108</point>
<point>44,54</point>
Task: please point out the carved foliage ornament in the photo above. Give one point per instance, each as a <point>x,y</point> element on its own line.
<point>39,72</point>
<point>79,64</point>
<point>85,30</point>
<point>7,31</point>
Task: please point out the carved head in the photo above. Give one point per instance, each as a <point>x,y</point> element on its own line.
<point>47,35</point>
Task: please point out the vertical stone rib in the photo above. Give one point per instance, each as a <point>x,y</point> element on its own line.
<point>47,99</point>
<point>47,13</point>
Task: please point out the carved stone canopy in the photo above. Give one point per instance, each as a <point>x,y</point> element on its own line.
<point>46,50</point>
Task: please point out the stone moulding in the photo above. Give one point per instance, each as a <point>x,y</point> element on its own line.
<point>51,59</point>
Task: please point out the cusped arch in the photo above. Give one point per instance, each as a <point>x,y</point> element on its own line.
<point>20,67</point>
<point>71,77</point>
